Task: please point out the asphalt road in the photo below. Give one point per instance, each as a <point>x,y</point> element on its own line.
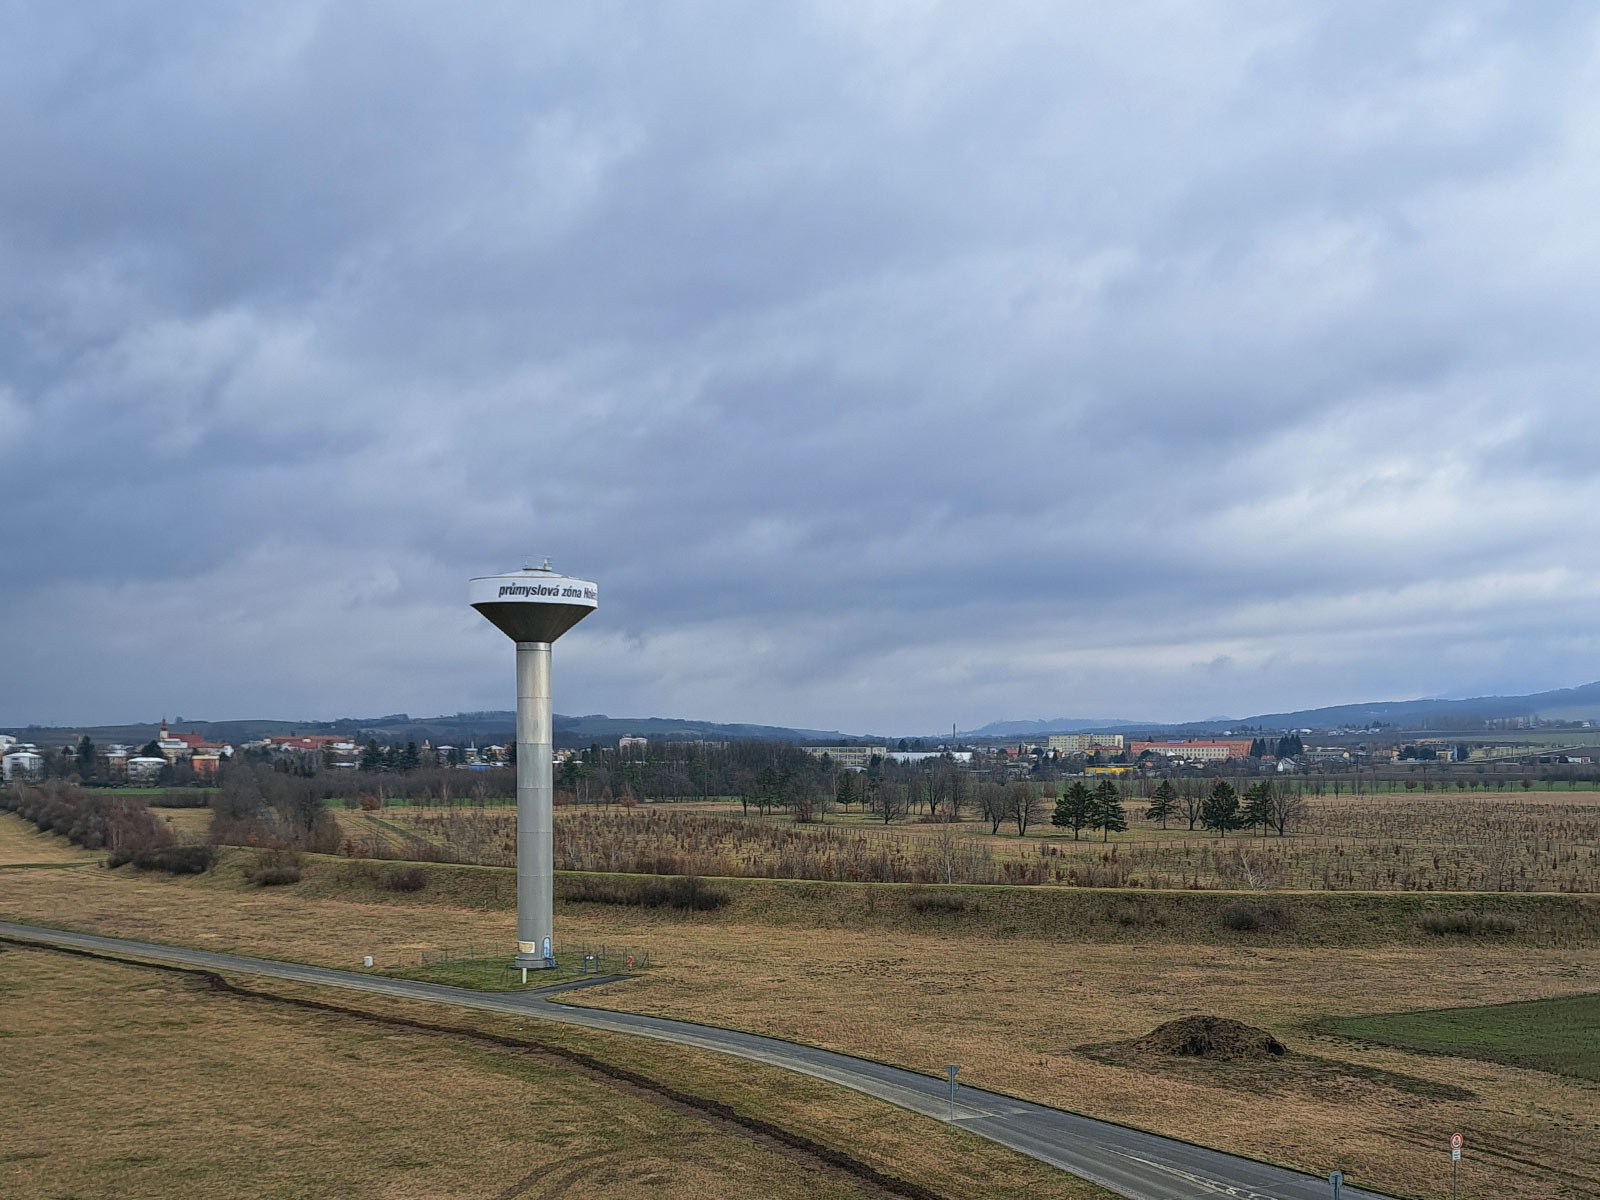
<point>1138,1165</point>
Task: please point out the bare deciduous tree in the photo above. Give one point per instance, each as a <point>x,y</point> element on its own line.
<point>1024,806</point>
<point>888,801</point>
<point>1284,808</point>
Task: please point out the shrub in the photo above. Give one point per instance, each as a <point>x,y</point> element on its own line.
<point>177,860</point>
<point>274,868</point>
<point>1257,918</point>
<point>92,821</point>
<point>937,902</point>
<point>1135,916</point>
<point>370,803</point>
<point>403,879</point>
<point>682,892</point>
<point>1104,875</point>
<point>1469,924</point>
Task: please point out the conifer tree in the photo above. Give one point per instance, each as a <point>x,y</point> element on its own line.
<point>1163,803</point>
<point>1074,809</point>
<point>1108,811</point>
<point>1221,809</point>
<point>1258,806</point>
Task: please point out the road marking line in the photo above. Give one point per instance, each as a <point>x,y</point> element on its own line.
<point>1210,1185</point>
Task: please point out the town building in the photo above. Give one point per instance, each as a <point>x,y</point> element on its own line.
<point>1084,743</point>
<point>201,755</point>
<point>310,741</point>
<point>22,765</point>
<point>1194,751</point>
<point>856,757</point>
<point>326,749</point>
<point>113,763</point>
<point>146,769</point>
<point>916,756</point>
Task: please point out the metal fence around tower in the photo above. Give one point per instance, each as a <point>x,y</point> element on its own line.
<point>586,959</point>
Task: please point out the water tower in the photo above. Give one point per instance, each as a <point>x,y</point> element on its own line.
<point>533,607</point>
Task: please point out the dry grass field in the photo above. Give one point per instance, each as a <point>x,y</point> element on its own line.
<point>1017,1017</point>
<point>21,845</point>
<point>124,1081</point>
<point>1021,1013</point>
<point>186,823</point>
<point>1424,841</point>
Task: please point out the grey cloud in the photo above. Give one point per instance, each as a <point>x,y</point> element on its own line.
<point>883,369</point>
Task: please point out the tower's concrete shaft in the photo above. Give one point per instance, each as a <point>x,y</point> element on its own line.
<point>535,803</point>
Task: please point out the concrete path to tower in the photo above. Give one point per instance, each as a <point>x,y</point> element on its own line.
<point>1135,1164</point>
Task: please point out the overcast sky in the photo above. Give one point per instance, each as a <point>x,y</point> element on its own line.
<point>887,365</point>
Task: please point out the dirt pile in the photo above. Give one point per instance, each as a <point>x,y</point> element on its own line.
<point>1211,1037</point>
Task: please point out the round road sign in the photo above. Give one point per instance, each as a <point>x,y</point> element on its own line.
<point>1455,1141</point>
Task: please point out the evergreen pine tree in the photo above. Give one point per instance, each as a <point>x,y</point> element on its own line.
<point>1074,808</point>
<point>1108,811</point>
<point>1221,809</point>
<point>1257,806</point>
<point>1163,803</point>
<point>845,794</point>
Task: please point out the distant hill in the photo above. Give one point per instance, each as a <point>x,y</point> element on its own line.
<point>1564,704</point>
<point>1028,729</point>
<point>484,728</point>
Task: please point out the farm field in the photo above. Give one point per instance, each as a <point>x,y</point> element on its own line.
<point>1413,842</point>
<point>1561,1035</point>
<point>1022,1013</point>
<point>219,1095</point>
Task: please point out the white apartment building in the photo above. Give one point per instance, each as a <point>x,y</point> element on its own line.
<point>1084,743</point>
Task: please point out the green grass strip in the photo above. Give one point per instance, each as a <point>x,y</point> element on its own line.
<point>1561,1035</point>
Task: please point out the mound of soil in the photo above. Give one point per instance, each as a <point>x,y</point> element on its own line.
<point>1211,1037</point>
